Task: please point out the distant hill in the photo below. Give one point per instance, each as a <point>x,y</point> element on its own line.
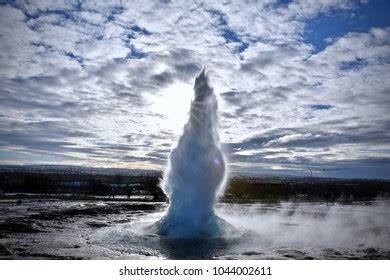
<point>73,168</point>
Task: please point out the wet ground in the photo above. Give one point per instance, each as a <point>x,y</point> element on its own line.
<point>70,229</point>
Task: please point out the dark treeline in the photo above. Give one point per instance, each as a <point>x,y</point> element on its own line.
<point>79,182</point>
<point>306,188</point>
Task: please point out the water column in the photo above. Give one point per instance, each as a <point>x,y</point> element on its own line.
<point>196,172</point>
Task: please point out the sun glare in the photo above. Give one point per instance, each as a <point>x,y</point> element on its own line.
<point>173,103</point>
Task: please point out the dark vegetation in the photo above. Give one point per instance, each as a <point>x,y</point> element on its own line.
<point>144,185</point>
<point>80,182</point>
<point>286,188</point>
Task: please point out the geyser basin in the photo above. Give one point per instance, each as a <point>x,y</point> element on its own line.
<point>196,172</point>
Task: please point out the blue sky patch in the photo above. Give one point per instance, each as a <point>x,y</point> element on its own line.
<point>135,54</point>
<point>227,33</point>
<point>78,58</point>
<point>336,23</point>
<point>353,65</point>
<point>115,11</point>
<point>317,107</point>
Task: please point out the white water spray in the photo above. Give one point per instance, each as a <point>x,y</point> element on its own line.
<point>196,171</point>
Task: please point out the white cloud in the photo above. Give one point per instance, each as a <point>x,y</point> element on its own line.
<point>102,66</point>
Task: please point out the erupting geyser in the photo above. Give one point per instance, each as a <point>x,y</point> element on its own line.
<point>196,171</point>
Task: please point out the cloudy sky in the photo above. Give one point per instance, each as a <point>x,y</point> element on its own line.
<point>97,83</point>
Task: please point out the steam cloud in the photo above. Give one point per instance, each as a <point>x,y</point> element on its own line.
<point>196,172</point>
